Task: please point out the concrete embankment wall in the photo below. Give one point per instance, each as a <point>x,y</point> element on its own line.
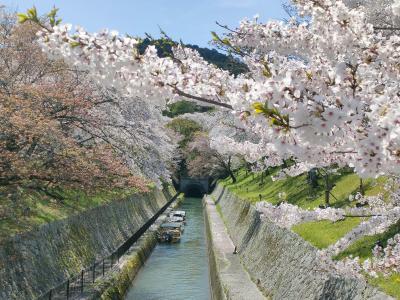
<point>116,284</point>
<point>280,261</point>
<point>228,277</point>
<point>34,262</point>
<point>217,289</point>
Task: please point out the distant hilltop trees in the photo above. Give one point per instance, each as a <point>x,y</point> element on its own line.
<point>223,61</point>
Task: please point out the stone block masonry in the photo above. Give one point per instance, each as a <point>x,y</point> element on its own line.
<point>34,262</point>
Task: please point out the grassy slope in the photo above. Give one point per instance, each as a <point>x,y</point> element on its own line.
<point>28,211</point>
<point>363,247</point>
<point>322,233</point>
<point>297,190</point>
<point>390,285</point>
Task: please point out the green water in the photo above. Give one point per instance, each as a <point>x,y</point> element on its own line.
<point>177,271</point>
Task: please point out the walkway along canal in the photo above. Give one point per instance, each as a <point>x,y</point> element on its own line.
<point>177,271</point>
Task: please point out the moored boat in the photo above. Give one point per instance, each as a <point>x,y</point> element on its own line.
<point>170,232</point>
<point>174,219</point>
<point>178,213</point>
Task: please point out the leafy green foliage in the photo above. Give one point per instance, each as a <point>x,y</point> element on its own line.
<point>185,127</point>
<point>272,114</point>
<point>32,15</point>
<point>183,107</point>
<point>226,62</point>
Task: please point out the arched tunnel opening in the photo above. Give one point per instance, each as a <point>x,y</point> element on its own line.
<point>194,191</point>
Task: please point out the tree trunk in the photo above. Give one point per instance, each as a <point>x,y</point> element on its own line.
<point>232,176</point>
<point>362,192</point>
<point>327,190</point>
<point>285,164</point>
<point>230,170</point>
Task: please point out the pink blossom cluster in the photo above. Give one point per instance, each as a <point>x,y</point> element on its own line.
<point>323,92</point>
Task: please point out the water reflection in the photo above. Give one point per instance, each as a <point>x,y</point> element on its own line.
<point>177,271</point>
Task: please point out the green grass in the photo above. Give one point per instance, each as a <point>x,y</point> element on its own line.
<point>389,285</point>
<point>30,209</point>
<point>363,247</point>
<point>298,192</point>
<point>321,234</point>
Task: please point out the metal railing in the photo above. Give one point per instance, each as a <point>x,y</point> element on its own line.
<point>77,285</point>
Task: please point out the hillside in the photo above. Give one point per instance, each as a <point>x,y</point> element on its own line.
<point>255,186</point>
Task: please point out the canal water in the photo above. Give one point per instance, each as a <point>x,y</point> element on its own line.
<point>177,271</point>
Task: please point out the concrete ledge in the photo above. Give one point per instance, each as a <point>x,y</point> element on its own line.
<point>229,280</point>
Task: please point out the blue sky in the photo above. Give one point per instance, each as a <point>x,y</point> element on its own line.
<point>189,20</point>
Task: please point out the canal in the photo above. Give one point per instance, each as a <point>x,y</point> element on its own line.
<point>177,271</point>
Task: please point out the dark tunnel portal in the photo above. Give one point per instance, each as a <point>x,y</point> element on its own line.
<point>194,191</point>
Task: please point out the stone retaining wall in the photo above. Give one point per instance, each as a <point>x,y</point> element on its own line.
<point>116,284</point>
<point>34,262</point>
<point>283,264</point>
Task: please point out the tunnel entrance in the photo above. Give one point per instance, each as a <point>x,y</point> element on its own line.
<point>194,191</point>
<point>194,187</point>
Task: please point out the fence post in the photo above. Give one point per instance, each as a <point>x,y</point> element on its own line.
<point>50,294</point>
<point>67,289</point>
<point>103,266</point>
<point>94,271</point>
<point>82,275</point>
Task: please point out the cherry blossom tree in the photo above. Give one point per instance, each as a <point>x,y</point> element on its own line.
<point>59,129</point>
<point>202,160</point>
<point>320,92</point>
<point>381,13</point>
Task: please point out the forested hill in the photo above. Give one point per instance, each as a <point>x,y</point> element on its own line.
<point>223,61</point>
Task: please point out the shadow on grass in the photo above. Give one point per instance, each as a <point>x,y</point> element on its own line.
<point>363,247</point>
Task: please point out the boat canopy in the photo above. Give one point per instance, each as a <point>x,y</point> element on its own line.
<point>179,212</point>
<point>176,219</point>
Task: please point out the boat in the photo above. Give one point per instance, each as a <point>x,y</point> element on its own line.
<point>174,219</point>
<point>178,213</point>
<point>170,232</point>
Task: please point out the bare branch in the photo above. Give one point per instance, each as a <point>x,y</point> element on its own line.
<point>201,99</point>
